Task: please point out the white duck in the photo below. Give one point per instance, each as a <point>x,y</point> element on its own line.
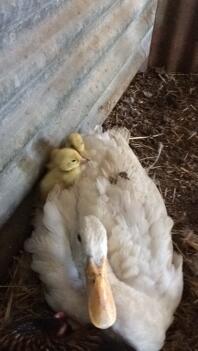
<point>103,249</point>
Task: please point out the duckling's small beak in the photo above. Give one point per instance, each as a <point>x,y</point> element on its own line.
<point>101,305</point>
<point>85,155</point>
<point>84,159</point>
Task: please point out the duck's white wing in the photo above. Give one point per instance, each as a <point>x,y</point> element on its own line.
<point>134,214</point>
<point>52,258</point>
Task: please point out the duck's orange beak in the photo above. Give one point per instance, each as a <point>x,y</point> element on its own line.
<point>101,305</point>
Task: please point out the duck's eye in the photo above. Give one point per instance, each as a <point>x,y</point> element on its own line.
<point>73,160</point>
<point>79,238</point>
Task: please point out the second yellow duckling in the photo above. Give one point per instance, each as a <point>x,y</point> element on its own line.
<point>64,169</point>
<point>75,141</point>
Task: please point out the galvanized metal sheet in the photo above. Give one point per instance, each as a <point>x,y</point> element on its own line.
<point>61,63</point>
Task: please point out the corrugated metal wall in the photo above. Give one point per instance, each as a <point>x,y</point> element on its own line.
<point>62,62</point>
<point>175,36</point>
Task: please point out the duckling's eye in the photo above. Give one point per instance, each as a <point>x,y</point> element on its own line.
<point>79,238</point>
<point>73,160</point>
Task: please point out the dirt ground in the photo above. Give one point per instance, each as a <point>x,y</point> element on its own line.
<point>161,112</point>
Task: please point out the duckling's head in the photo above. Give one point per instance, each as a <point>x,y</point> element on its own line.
<point>66,159</point>
<point>76,141</point>
<point>90,254</point>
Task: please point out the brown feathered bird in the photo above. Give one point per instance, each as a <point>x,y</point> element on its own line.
<point>55,334</point>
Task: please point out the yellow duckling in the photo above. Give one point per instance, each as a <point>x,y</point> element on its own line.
<point>75,141</point>
<point>64,168</point>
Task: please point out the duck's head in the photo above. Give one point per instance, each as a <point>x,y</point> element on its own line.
<point>90,254</point>
<point>76,141</point>
<point>65,159</point>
